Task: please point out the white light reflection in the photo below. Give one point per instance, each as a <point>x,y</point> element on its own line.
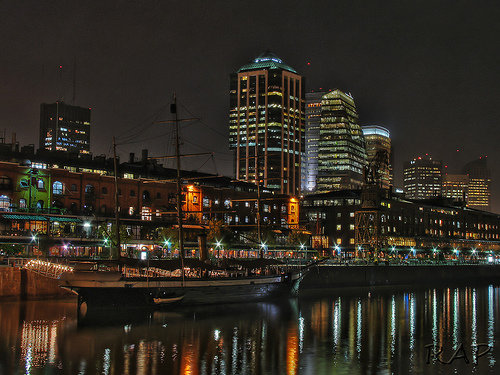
<point>235,350</point>
<point>434,320</point>
<point>83,367</point>
<point>301,333</point>
<point>106,361</point>
<point>337,324</point>
<point>412,325</point>
<point>359,327</point>
<point>491,324</point>
<point>474,319</point>
<point>393,325</point>
<point>456,325</point>
<point>216,335</point>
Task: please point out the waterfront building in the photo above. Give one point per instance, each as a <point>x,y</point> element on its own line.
<point>456,187</point>
<point>266,123</point>
<point>64,127</point>
<point>313,123</point>
<point>378,144</point>
<point>479,194</point>
<point>422,178</point>
<point>69,207</point>
<point>341,149</point>
<point>402,224</point>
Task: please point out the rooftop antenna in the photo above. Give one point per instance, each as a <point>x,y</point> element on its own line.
<point>59,94</point>
<point>74,81</point>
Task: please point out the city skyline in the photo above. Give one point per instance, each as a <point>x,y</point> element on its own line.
<point>424,85</point>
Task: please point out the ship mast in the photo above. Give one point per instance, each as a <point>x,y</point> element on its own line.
<point>173,109</point>
<point>117,214</point>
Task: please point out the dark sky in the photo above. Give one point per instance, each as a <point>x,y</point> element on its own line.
<point>427,70</point>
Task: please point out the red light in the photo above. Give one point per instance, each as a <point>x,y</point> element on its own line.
<point>308,63</point>
<point>458,150</point>
<point>60,66</point>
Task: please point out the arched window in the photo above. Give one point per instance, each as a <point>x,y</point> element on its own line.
<point>4,203</point>
<point>57,188</point>
<point>22,203</point>
<point>104,190</point>
<point>40,184</point>
<point>146,197</point>
<point>73,187</point>
<point>89,189</point>
<point>39,204</point>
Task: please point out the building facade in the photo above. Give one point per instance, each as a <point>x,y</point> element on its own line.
<point>341,148</point>
<point>402,224</point>
<point>266,123</point>
<point>313,123</point>
<point>55,203</point>
<point>378,146</point>
<point>422,178</point>
<point>64,127</point>
<point>456,187</point>
<point>479,194</point>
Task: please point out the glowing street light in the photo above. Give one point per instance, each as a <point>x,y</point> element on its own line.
<point>86,225</point>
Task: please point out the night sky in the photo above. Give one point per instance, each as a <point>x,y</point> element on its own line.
<point>429,71</point>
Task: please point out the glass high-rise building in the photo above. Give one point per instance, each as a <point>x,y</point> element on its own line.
<point>422,178</point>
<point>341,147</point>
<point>313,123</point>
<point>377,139</point>
<point>64,127</point>
<point>266,123</point>
<point>479,194</point>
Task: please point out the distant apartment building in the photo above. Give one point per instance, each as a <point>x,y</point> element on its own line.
<point>456,187</point>
<point>341,147</point>
<point>378,141</point>
<point>479,194</point>
<point>266,123</point>
<point>313,123</point>
<point>64,127</point>
<point>422,178</point>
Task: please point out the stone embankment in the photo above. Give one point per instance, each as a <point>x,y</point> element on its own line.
<point>20,283</point>
<point>366,276</point>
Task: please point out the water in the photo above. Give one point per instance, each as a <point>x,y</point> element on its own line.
<point>360,332</point>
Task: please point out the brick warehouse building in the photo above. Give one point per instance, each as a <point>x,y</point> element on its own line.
<point>400,223</point>
<point>65,208</point>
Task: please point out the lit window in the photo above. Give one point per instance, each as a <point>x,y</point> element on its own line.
<point>57,188</point>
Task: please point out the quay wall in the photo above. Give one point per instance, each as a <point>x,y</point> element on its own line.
<point>10,282</point>
<point>365,276</point>
<point>20,283</point>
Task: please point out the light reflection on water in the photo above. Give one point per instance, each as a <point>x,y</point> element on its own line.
<point>347,333</point>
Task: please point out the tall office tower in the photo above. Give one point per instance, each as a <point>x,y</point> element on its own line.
<point>378,144</point>
<point>422,178</point>
<point>479,184</point>
<point>456,187</point>
<point>64,127</point>
<point>341,147</point>
<point>313,122</point>
<point>266,123</point>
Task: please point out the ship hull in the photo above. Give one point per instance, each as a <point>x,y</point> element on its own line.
<point>158,293</point>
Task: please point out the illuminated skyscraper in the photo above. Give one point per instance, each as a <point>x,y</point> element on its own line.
<point>479,184</point>
<point>422,178</point>
<point>456,187</point>
<point>266,123</point>
<point>313,122</point>
<point>378,139</point>
<point>341,149</point>
<point>64,127</point>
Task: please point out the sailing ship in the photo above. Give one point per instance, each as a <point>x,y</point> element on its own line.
<point>169,284</point>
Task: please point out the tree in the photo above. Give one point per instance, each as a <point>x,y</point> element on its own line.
<point>110,239</point>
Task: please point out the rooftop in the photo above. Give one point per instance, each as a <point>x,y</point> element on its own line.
<point>267,60</point>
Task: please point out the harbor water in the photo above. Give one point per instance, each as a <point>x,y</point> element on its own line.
<point>357,331</point>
